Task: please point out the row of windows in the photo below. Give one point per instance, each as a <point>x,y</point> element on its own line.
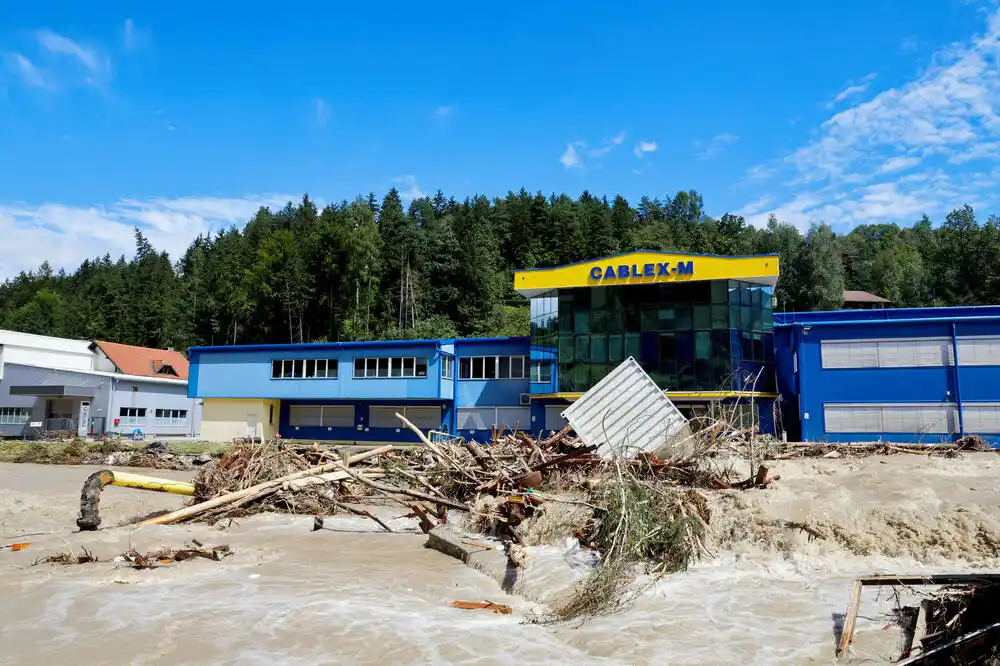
<point>14,415</point>
<point>474,367</point>
<point>929,418</point>
<point>304,368</point>
<point>405,366</point>
<point>493,367</point>
<point>136,416</point>
<point>919,353</point>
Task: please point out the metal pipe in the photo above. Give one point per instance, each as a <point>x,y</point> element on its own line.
<point>90,496</point>
<point>958,382</point>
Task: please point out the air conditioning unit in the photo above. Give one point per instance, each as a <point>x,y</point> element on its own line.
<point>525,399</point>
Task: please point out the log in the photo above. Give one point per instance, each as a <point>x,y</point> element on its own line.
<point>850,619</point>
<point>412,493</point>
<point>554,439</point>
<point>479,455</point>
<point>427,523</point>
<point>259,490</point>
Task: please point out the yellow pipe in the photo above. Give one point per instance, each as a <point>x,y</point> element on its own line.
<point>126,480</point>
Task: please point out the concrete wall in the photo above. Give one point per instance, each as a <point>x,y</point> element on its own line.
<point>222,420</point>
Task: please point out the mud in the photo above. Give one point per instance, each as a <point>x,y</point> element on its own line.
<point>353,594</point>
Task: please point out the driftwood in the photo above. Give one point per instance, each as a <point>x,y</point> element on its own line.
<point>258,491</point>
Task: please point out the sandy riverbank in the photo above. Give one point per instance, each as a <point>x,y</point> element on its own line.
<point>352,595</point>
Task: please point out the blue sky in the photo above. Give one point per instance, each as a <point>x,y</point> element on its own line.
<point>185,118</point>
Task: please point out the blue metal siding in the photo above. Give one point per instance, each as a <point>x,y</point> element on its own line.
<point>805,392</point>
<point>490,392</point>
<point>246,373</point>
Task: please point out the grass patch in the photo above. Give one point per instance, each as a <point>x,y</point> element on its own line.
<point>74,452</point>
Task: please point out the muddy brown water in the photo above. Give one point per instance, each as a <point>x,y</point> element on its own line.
<point>351,595</point>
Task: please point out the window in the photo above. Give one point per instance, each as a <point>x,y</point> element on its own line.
<point>325,416</point>
<point>390,367</point>
<point>494,367</point>
<point>487,418</point>
<point>132,416</point>
<point>171,417</point>
<point>541,372</point>
<point>918,418</point>
<point>979,351</point>
<point>14,415</point>
<point>309,368</point>
<point>897,353</point>
<point>447,366</point>
<point>384,416</point>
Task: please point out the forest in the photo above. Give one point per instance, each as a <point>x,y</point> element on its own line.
<point>438,267</point>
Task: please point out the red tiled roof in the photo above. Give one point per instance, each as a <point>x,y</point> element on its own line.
<point>144,361</point>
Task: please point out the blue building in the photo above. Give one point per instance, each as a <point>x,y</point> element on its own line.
<point>901,375</point>
<point>701,326</point>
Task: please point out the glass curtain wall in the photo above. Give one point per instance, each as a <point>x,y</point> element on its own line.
<point>696,336</point>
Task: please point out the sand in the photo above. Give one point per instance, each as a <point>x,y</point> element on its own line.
<point>350,594</point>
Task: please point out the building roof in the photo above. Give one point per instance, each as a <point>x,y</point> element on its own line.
<point>886,315</point>
<point>308,346</point>
<point>144,361</point>
<point>854,296</point>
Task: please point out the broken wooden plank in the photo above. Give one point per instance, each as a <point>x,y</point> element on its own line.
<point>850,619</point>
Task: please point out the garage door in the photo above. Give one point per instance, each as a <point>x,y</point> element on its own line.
<point>553,418</point>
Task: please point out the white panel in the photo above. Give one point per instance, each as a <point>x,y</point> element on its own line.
<point>836,354</point>
<point>425,418</point>
<point>476,418</point>
<point>553,417</point>
<point>338,416</point>
<point>979,351</point>
<point>385,417</point>
<point>627,408</point>
<point>902,419</point>
<point>982,419</point>
<point>305,415</point>
<point>519,417</point>
<point>852,418</point>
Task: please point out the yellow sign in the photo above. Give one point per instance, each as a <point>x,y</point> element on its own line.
<point>645,267</point>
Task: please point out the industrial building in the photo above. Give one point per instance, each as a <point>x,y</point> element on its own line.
<point>703,327</point>
<point>901,375</point>
<point>54,385</point>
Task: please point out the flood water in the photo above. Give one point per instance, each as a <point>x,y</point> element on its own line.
<point>350,594</point>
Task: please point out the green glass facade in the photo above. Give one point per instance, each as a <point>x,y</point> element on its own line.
<point>695,336</point>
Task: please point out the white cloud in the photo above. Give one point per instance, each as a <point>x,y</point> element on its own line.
<point>644,147</point>
<point>570,159</point>
<point>854,90</point>
<point>900,153</point>
<point>894,164</point>
<point>129,35</point>
<point>24,68</point>
<point>56,43</point>
<point>607,146</point>
<point>445,110</point>
<point>322,112</point>
<point>66,235</point>
<point>717,145</point>
<point>408,188</point>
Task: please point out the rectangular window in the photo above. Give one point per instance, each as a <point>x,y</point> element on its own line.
<point>14,415</point>
<point>383,416</point>
<point>171,417</point>
<point>493,367</point>
<point>916,419</point>
<point>979,351</point>
<point>981,418</point>
<point>309,368</point>
<point>386,367</point>
<point>447,366</point>
<point>541,372</point>
<point>132,416</point>
<point>897,353</point>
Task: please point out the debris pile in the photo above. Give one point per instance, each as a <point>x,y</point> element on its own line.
<point>137,560</point>
<point>959,623</point>
<point>783,451</point>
